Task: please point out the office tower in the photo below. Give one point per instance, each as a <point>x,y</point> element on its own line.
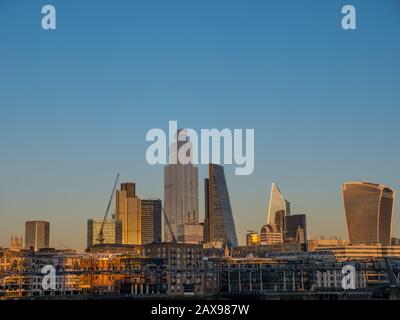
<point>37,235</point>
<point>296,228</point>
<point>181,194</point>
<point>278,208</point>
<point>112,232</point>
<point>368,209</point>
<point>252,238</point>
<point>151,221</point>
<point>220,226</point>
<point>128,211</point>
<point>270,235</point>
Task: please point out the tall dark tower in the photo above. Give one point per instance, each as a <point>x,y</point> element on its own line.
<point>219,224</point>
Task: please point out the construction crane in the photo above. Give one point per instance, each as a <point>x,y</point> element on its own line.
<point>169,227</point>
<point>100,237</point>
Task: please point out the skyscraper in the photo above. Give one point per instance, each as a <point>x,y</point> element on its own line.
<point>368,209</point>
<point>181,194</point>
<point>128,210</point>
<point>296,228</point>
<point>112,232</point>
<point>278,208</point>
<point>151,221</point>
<point>219,223</point>
<point>37,235</point>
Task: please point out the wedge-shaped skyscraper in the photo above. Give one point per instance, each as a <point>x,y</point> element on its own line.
<point>278,208</point>
<point>219,224</point>
<point>368,208</point>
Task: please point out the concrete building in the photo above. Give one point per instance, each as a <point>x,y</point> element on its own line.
<point>112,232</point>
<point>37,235</point>
<point>362,252</point>
<point>270,235</point>
<point>128,211</point>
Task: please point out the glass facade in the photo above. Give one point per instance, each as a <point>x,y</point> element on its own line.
<point>219,217</point>
<point>112,232</point>
<point>368,209</point>
<point>151,221</point>
<point>278,207</point>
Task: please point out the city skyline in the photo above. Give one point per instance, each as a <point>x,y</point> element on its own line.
<point>76,103</point>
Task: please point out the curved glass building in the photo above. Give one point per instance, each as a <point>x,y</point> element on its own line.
<point>219,223</point>
<point>368,209</point>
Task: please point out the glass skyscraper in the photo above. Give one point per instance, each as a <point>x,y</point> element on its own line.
<point>219,224</point>
<point>278,208</point>
<point>181,193</point>
<point>368,208</point>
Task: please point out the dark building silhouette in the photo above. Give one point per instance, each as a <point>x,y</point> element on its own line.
<point>219,223</point>
<point>151,221</point>
<point>296,228</point>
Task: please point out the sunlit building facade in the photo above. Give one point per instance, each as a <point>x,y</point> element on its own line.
<point>37,235</point>
<point>128,210</point>
<point>270,235</point>
<point>368,209</point>
<point>112,232</point>
<point>219,223</point>
<point>181,193</point>
<point>278,208</point>
<point>252,238</point>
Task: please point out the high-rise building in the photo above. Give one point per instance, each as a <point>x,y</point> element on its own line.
<point>151,221</point>
<point>219,223</point>
<point>278,208</point>
<point>368,209</point>
<point>296,228</point>
<point>112,232</point>
<point>181,193</point>
<point>128,211</point>
<point>37,235</point>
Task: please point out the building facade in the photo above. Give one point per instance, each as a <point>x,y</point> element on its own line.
<point>181,192</point>
<point>278,208</point>
<point>37,235</point>
<point>112,232</point>
<point>219,222</point>
<point>296,228</point>
<point>151,221</point>
<point>368,209</point>
<point>128,211</point>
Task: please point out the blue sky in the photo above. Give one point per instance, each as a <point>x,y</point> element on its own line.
<point>76,103</point>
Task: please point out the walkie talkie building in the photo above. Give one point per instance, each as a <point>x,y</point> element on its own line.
<point>368,208</point>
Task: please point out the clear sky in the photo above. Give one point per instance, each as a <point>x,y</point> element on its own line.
<point>76,103</point>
